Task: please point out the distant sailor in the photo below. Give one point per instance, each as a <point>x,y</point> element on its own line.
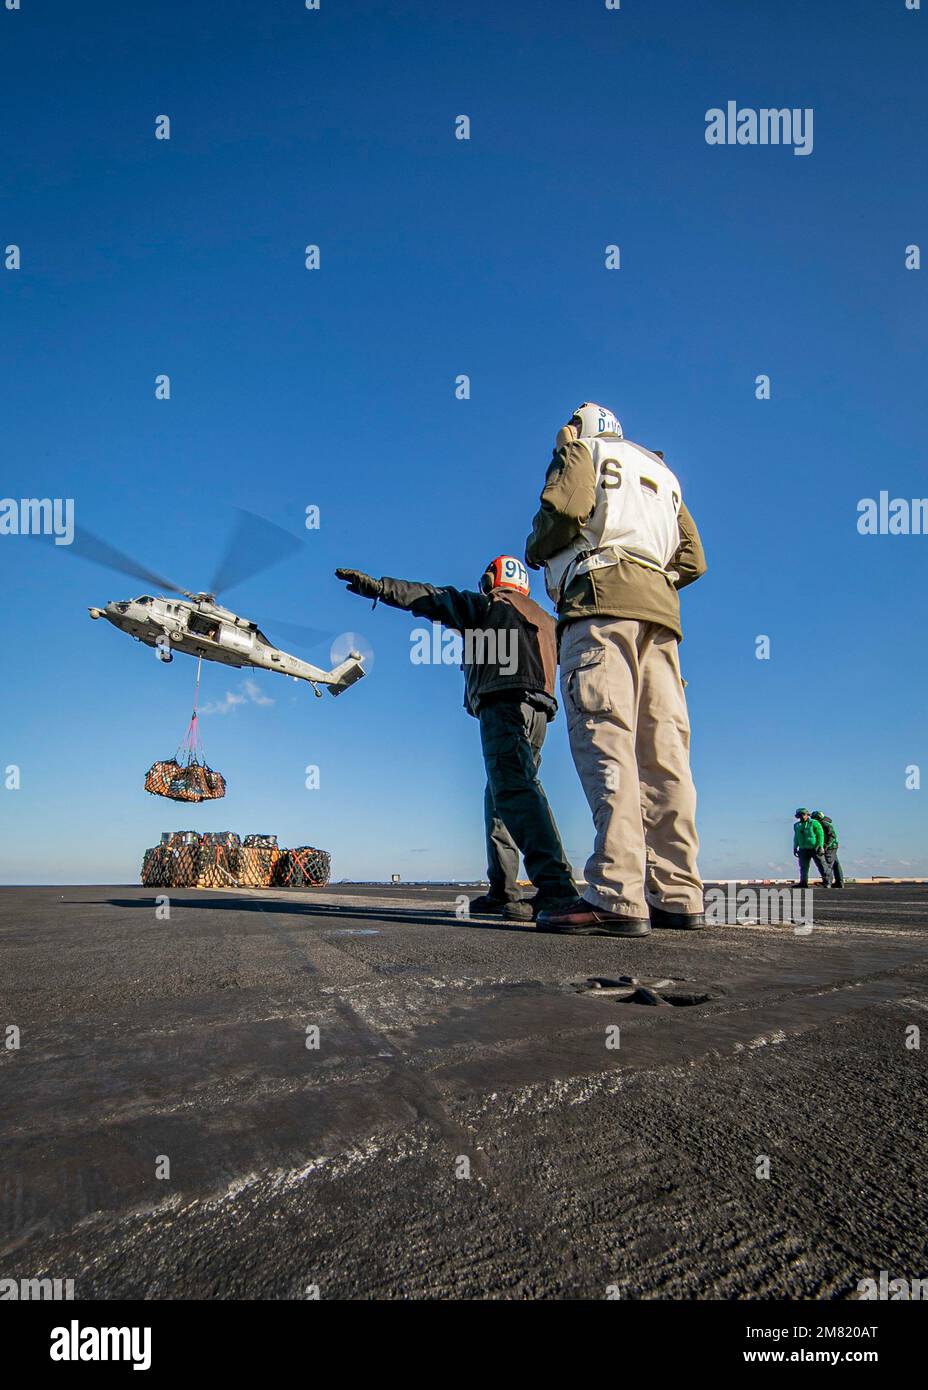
<point>510,663</point>
<point>617,543</point>
<point>808,846</point>
<point>830,849</point>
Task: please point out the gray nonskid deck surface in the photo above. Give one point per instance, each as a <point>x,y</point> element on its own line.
<point>446,1049</point>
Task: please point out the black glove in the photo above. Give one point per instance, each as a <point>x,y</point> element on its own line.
<point>360,583</point>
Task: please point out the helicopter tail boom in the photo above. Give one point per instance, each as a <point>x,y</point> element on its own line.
<point>346,673</point>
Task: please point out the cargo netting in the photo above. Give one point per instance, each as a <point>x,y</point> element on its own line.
<point>219,859</point>
<point>304,866</point>
<point>189,781</point>
<point>186,777</point>
<point>257,866</point>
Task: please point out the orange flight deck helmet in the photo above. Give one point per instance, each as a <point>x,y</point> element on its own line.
<point>505,572</point>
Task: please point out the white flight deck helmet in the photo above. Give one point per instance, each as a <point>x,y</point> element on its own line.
<point>591,420</point>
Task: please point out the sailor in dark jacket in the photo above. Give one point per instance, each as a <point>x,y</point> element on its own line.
<point>510,667</point>
<point>830,849</point>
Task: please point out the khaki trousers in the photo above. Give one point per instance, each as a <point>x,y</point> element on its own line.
<point>630,738</point>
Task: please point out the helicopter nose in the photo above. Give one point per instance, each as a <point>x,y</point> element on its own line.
<point>96,612</point>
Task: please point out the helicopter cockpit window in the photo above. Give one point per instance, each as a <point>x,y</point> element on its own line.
<point>144,598</point>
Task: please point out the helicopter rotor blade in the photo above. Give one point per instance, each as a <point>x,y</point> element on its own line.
<point>298,635</point>
<point>99,552</point>
<point>255,545</point>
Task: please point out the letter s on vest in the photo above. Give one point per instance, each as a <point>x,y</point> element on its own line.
<point>635,515</point>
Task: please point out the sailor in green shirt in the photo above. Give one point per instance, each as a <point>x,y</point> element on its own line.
<point>830,851</point>
<point>808,844</point>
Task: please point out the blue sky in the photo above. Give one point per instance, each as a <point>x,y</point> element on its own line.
<point>335,388</point>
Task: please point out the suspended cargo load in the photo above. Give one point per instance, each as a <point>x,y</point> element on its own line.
<point>186,777</point>
<point>260,841</point>
<point>190,781</point>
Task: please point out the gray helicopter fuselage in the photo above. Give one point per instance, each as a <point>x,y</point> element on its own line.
<point>203,628</point>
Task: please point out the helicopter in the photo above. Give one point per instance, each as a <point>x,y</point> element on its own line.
<point>197,625</point>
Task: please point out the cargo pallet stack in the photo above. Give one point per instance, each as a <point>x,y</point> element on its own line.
<point>220,859</point>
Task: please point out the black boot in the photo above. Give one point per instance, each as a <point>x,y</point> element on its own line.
<point>488,906</point>
<point>676,921</point>
<point>519,911</point>
<point>528,909</point>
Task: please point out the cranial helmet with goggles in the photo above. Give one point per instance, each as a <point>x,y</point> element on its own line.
<point>590,420</point>
<point>505,572</point>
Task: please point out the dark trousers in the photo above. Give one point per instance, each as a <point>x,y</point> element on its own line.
<point>833,864</point>
<point>516,810</point>
<point>806,857</point>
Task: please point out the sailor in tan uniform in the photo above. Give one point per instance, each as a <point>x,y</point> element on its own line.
<point>617,543</point>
